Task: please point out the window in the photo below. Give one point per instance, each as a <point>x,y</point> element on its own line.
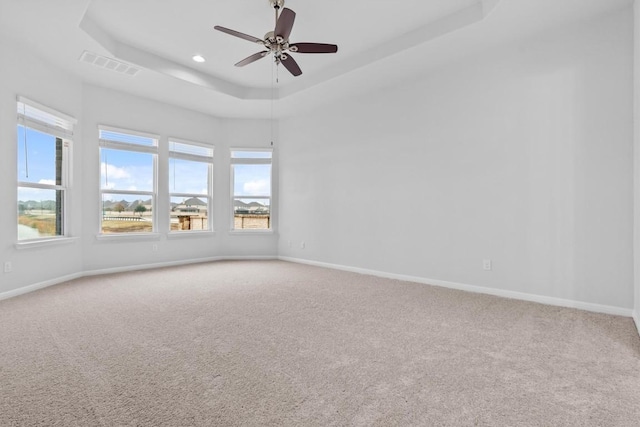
<point>190,172</point>
<point>251,189</point>
<point>127,181</point>
<point>44,149</point>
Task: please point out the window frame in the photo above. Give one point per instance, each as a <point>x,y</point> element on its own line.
<point>195,158</point>
<point>131,147</point>
<point>250,161</point>
<point>60,126</point>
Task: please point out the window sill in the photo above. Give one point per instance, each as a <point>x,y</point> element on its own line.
<point>189,234</point>
<point>249,232</point>
<point>41,243</point>
<point>127,236</point>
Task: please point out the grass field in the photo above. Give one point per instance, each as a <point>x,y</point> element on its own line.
<point>45,224</point>
<point>126,226</point>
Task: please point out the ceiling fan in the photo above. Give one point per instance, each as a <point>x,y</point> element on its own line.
<point>277,41</point>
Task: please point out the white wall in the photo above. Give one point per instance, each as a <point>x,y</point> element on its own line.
<point>241,133</point>
<point>636,193</point>
<point>29,76</point>
<point>23,74</point>
<point>522,155</point>
<point>106,107</point>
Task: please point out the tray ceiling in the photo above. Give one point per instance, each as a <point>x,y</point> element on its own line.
<point>377,39</point>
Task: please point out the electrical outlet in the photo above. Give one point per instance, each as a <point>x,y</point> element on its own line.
<point>302,245</point>
<point>155,248</point>
<point>8,267</point>
<point>290,243</point>
<point>486,264</point>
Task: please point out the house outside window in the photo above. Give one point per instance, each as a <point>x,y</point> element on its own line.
<point>128,181</point>
<point>251,189</point>
<point>190,186</point>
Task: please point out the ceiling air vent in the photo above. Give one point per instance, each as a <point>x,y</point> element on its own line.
<point>108,63</point>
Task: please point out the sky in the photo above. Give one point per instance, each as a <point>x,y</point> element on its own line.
<point>40,166</point>
<point>131,171</point>
<point>252,180</point>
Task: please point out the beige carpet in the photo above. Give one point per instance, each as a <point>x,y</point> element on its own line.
<point>271,343</point>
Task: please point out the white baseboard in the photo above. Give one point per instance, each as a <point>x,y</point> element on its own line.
<point>51,282</point>
<point>26,289</point>
<point>173,264</point>
<point>127,268</point>
<point>597,308</point>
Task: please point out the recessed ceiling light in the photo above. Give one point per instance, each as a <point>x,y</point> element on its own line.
<point>198,58</point>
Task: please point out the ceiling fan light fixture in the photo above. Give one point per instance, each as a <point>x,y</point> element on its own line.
<point>198,58</point>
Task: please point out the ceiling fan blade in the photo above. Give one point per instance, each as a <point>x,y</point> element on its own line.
<point>291,65</point>
<point>238,34</point>
<point>252,58</point>
<point>285,23</point>
<point>315,48</point>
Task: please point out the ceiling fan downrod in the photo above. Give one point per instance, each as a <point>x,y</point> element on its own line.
<point>276,44</point>
<point>276,4</point>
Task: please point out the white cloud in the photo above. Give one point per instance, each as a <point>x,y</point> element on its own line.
<point>256,188</point>
<point>47,181</point>
<point>114,172</point>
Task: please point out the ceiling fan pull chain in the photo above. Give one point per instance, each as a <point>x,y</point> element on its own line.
<point>106,169</point>
<point>26,149</point>
<point>272,96</point>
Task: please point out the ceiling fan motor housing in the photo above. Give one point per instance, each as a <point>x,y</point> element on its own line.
<point>276,4</point>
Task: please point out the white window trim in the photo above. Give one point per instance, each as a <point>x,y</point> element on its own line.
<point>252,149</point>
<point>148,149</point>
<point>250,232</point>
<point>197,144</point>
<point>66,135</point>
<point>124,146</point>
<point>209,196</point>
<point>63,132</point>
<point>142,134</point>
<point>189,234</point>
<point>44,242</point>
<point>250,161</point>
<point>114,237</point>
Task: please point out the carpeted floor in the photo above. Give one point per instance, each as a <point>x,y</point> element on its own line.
<point>270,343</point>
